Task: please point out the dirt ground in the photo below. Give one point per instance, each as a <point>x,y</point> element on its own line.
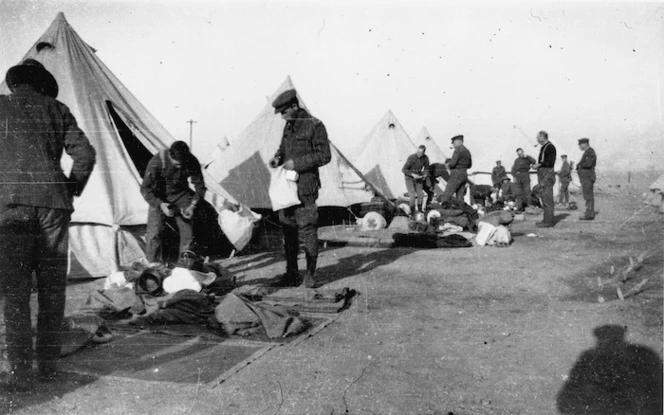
<point>457,331</point>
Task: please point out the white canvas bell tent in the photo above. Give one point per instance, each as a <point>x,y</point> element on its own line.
<point>435,153</point>
<point>242,168</point>
<point>108,224</point>
<point>382,154</point>
<point>218,149</point>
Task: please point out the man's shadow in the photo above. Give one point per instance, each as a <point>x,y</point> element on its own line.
<point>615,377</point>
<point>358,264</point>
<point>560,217</point>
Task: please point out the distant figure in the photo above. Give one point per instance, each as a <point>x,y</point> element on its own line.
<point>497,174</point>
<point>304,148</point>
<point>546,178</point>
<point>36,203</point>
<point>613,378</point>
<point>415,171</point>
<point>459,164</point>
<point>521,175</point>
<point>565,176</point>
<point>166,189</point>
<point>586,170</point>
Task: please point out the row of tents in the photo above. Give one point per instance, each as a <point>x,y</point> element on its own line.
<point>108,225</point>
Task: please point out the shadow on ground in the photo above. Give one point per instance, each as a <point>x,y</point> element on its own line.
<point>615,377</point>
<point>44,392</point>
<point>359,263</point>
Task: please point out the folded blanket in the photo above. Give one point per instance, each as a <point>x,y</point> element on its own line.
<point>428,241</point>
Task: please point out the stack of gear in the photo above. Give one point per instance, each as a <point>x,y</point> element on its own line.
<point>425,235</point>
<point>197,293</point>
<point>455,213</point>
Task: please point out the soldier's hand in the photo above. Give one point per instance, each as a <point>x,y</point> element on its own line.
<point>188,212</point>
<point>168,211</point>
<point>274,162</point>
<point>289,165</point>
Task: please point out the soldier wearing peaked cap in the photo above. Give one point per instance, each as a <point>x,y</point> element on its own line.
<point>586,170</point>
<point>36,203</point>
<point>304,148</point>
<point>497,174</point>
<point>459,164</point>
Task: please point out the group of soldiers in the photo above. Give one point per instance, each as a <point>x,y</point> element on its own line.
<point>421,176</point>
<point>37,201</point>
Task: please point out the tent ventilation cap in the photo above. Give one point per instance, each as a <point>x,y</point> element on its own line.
<point>391,125</point>
<point>44,45</point>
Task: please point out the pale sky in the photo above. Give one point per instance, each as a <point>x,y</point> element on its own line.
<point>490,72</point>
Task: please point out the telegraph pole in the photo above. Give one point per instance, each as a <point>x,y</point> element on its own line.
<point>191,134</point>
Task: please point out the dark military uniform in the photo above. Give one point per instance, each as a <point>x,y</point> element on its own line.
<point>459,164</point>
<point>165,183</point>
<point>497,175</point>
<point>521,174</point>
<point>36,202</point>
<point>305,142</point>
<point>436,170</point>
<point>565,178</point>
<point>547,178</point>
<point>586,171</point>
<point>416,165</point>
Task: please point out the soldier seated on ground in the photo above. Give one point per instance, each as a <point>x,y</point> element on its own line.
<point>535,197</point>
<point>480,194</point>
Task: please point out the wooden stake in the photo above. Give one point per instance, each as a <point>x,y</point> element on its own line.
<point>636,289</point>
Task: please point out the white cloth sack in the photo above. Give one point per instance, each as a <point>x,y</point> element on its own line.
<point>283,192</point>
<point>484,232</point>
<point>238,226</point>
<point>500,236</point>
<point>181,279</point>
<point>117,279</point>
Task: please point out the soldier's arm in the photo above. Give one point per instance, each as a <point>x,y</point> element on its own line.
<point>150,182</point>
<point>320,154</point>
<point>279,155</point>
<point>81,151</point>
<point>454,160</point>
<point>406,167</point>
<point>196,176</point>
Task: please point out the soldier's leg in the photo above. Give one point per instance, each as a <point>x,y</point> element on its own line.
<point>461,192</point>
<point>587,189</point>
<point>453,185</point>
<point>547,196</point>
<point>520,192</point>
<point>591,207</point>
<point>306,216</point>
<point>52,285</point>
<point>186,231</point>
<point>561,194</point>
<point>18,233</point>
<point>155,226</point>
<point>412,194</point>
<point>419,190</point>
<point>428,190</point>
<point>291,240</point>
